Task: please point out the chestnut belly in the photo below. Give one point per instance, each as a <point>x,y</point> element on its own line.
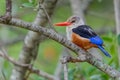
<point>82,42</point>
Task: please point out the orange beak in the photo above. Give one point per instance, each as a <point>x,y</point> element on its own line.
<point>63,24</point>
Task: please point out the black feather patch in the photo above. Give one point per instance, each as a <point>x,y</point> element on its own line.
<point>84,31</point>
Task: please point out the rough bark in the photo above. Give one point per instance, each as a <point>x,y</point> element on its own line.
<point>32,40</point>
<point>117,18</point>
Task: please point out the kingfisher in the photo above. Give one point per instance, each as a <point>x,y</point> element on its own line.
<point>82,35</point>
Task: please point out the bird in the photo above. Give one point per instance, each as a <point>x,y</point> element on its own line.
<point>82,35</point>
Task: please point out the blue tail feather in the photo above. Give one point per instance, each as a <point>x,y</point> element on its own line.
<point>104,51</point>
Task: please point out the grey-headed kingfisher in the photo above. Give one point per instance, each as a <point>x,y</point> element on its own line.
<point>82,35</point>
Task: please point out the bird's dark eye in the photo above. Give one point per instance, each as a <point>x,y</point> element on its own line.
<point>73,21</point>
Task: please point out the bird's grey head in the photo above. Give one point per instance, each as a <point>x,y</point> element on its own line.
<point>76,21</point>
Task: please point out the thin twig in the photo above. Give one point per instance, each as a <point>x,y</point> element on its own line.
<point>4,55</point>
<point>7,17</point>
<point>48,17</point>
<point>65,66</point>
<point>58,69</point>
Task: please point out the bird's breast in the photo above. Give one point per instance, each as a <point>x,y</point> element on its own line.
<point>81,41</point>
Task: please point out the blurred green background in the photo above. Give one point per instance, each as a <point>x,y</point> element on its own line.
<point>99,15</point>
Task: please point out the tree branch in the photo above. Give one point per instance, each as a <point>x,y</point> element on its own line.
<point>8,8</point>
<point>47,15</point>
<point>53,35</point>
<point>7,17</point>
<point>28,66</point>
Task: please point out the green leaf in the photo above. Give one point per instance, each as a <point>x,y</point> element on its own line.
<point>112,48</point>
<point>119,39</point>
<point>109,39</point>
<point>29,5</point>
